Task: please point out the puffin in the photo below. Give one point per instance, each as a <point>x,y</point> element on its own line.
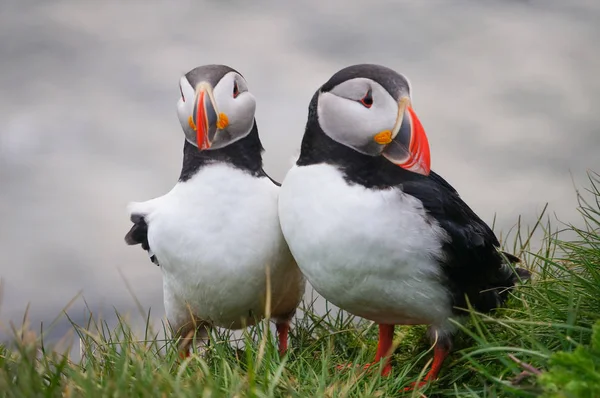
<point>216,234</point>
<point>374,230</point>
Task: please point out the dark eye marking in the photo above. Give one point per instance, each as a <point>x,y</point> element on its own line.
<point>367,100</point>
<point>181,91</point>
<point>236,89</point>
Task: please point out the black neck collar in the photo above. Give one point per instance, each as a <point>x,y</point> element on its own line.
<point>244,154</point>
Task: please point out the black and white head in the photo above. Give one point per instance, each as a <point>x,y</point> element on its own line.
<point>215,108</point>
<point>369,109</point>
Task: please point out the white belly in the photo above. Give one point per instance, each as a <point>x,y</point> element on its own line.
<point>214,236</point>
<point>370,252</point>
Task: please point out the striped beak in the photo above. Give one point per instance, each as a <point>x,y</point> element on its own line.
<point>205,116</point>
<point>409,147</point>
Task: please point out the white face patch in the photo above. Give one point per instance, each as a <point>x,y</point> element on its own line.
<point>239,109</point>
<point>185,106</point>
<point>346,120</point>
<point>232,99</point>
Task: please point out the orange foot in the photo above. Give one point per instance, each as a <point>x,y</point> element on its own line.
<point>184,354</point>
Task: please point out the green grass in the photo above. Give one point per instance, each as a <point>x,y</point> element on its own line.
<point>540,344</point>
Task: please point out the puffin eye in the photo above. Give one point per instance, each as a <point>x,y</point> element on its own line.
<point>181,91</point>
<point>367,100</point>
<point>236,90</point>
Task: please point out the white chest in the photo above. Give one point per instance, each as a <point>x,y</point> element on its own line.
<point>213,236</point>
<point>370,252</point>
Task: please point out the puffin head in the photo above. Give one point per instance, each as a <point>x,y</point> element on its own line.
<point>369,109</point>
<point>215,108</point>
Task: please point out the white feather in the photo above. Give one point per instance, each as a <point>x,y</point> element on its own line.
<point>214,237</point>
<point>370,252</point>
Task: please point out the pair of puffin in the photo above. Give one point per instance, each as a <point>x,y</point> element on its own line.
<point>369,225</point>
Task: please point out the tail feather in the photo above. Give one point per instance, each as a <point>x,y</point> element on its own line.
<point>511,257</point>
<point>512,278</point>
<point>510,275</point>
<point>507,277</point>
<point>521,274</point>
<point>138,234</point>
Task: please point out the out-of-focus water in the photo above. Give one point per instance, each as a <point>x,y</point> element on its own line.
<point>505,89</point>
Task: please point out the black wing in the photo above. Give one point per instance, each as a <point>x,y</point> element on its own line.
<point>138,234</point>
<point>264,173</point>
<point>472,262</point>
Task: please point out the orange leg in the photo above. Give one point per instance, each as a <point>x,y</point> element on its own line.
<point>439,355</point>
<point>282,336</point>
<point>183,354</point>
<point>384,346</point>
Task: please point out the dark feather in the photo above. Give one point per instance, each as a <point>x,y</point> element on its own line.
<point>272,180</point>
<point>138,235</point>
<point>244,154</point>
<point>511,258</point>
<point>473,264</point>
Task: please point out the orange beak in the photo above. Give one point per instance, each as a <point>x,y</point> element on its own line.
<point>206,117</point>
<point>409,147</point>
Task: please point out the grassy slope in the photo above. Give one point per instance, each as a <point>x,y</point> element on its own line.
<point>554,313</point>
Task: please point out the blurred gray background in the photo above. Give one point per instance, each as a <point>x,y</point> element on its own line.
<point>505,90</point>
